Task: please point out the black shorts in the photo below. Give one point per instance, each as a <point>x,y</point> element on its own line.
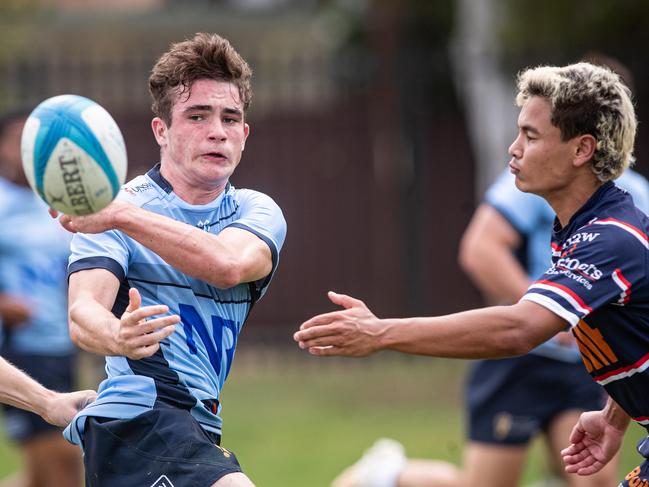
<point>510,400</point>
<point>162,447</point>
<point>56,373</point>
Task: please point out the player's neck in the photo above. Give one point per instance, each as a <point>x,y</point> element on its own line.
<point>189,191</point>
<point>567,202</point>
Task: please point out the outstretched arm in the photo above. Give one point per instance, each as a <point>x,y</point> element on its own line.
<point>93,327</point>
<point>20,390</point>
<point>595,439</point>
<point>224,260</point>
<point>497,331</point>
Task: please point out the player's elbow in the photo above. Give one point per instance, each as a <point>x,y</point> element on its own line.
<point>73,318</point>
<point>468,257</point>
<point>229,274</point>
<point>75,335</point>
<point>516,339</point>
<point>518,343</point>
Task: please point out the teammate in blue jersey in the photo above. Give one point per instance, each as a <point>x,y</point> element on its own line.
<point>162,280</point>
<point>33,312</point>
<point>576,133</point>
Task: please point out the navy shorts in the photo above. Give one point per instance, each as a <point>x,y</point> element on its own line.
<point>56,373</point>
<point>639,476</point>
<point>163,447</point>
<point>510,400</point>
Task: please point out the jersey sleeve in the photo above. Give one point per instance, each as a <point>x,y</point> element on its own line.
<point>260,215</point>
<point>597,266</point>
<point>522,210</point>
<point>106,250</point>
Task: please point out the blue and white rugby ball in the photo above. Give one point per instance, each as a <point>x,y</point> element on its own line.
<point>73,154</point>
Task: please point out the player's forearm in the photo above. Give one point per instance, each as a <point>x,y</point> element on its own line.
<point>485,333</point>
<point>20,390</point>
<point>190,250</point>
<point>92,327</point>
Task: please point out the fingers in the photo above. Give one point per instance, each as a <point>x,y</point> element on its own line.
<point>66,222</point>
<point>320,326</point>
<point>83,398</point>
<point>580,460</point>
<point>134,300</point>
<point>317,337</point>
<point>345,301</point>
<point>577,434</point>
<point>53,213</point>
<point>139,334</point>
<point>328,351</point>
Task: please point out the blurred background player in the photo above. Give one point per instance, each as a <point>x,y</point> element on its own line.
<point>33,306</point>
<point>508,401</point>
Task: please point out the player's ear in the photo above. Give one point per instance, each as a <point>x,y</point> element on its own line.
<point>246,133</point>
<point>159,128</point>
<point>584,149</point>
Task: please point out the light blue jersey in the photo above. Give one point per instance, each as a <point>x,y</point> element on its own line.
<point>532,217</point>
<point>192,364</point>
<point>34,251</point>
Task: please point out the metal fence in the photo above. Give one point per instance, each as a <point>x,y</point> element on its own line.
<point>374,176</point>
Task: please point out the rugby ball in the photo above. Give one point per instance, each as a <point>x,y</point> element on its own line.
<point>73,154</point>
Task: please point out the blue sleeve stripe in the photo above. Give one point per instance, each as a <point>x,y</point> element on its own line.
<point>97,263</point>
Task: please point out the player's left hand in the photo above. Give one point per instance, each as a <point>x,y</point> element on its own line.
<point>62,407</point>
<point>594,442</point>
<point>352,332</point>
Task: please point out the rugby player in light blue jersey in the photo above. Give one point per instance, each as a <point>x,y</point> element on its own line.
<point>576,134</point>
<point>34,251</point>
<point>162,280</point>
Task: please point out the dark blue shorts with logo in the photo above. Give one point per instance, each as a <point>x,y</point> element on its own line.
<point>511,400</point>
<point>639,476</point>
<point>54,372</point>
<point>164,447</point>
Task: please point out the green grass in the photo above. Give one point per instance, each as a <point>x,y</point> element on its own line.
<point>297,421</point>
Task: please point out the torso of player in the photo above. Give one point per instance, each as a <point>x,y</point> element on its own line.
<point>598,283</point>
<point>192,364</point>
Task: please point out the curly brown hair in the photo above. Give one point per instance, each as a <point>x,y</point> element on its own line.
<point>205,56</point>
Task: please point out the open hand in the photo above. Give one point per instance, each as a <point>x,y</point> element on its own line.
<point>353,331</point>
<point>138,336</point>
<point>594,442</point>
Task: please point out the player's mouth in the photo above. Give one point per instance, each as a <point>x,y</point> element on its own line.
<point>215,156</point>
<point>512,167</point>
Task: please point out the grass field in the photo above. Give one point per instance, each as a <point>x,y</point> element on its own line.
<point>297,421</point>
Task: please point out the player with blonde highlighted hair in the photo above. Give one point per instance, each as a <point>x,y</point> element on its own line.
<point>576,129</point>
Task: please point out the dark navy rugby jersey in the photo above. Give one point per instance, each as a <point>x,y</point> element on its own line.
<point>598,284</point>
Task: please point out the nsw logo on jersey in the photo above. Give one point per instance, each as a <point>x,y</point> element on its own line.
<point>581,237</point>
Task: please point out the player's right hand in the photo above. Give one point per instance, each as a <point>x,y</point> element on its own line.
<point>139,334</point>
<point>62,407</point>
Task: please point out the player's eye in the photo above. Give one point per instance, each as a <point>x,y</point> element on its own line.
<point>196,117</point>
